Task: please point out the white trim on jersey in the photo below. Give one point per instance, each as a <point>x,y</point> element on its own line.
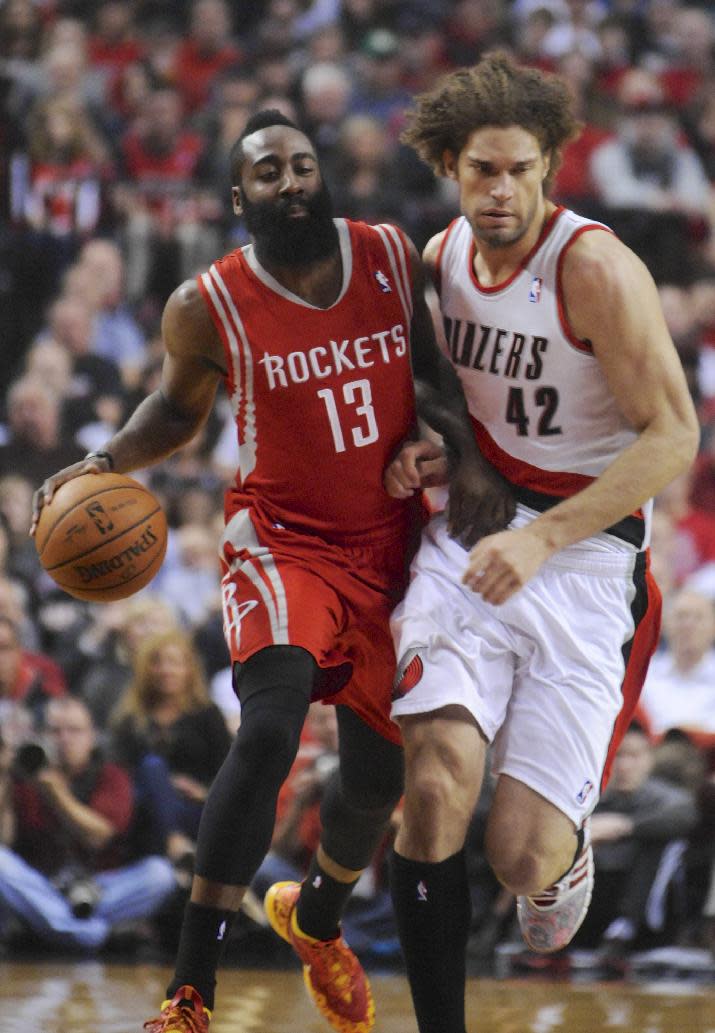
<point>400,275</point>
<point>240,533</point>
<point>234,329</point>
<point>346,254</point>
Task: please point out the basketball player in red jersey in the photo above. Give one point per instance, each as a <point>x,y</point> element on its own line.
<point>317,330</point>
<point>537,641</point>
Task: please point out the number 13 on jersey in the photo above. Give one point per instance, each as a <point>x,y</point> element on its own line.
<point>358,397</point>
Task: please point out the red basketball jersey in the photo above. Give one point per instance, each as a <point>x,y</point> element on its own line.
<point>322,398</point>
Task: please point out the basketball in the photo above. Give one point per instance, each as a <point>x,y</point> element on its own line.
<point>102,537</point>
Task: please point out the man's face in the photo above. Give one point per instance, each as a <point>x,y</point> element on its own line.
<point>632,764</point>
<point>500,172</point>
<point>690,623</point>
<point>72,736</point>
<point>283,200</point>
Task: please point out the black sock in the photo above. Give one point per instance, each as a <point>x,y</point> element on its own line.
<point>203,937</point>
<point>433,911</point>
<point>321,903</point>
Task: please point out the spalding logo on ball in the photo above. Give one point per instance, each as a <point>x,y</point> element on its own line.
<point>102,537</point>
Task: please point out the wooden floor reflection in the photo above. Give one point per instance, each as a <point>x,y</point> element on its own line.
<point>95,997</point>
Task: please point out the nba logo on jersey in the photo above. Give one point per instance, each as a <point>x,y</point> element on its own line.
<point>535,289</point>
<point>383,282</point>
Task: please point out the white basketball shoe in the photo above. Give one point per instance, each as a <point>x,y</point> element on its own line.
<point>550,920</point>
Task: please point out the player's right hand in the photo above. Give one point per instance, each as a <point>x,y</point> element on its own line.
<point>481,501</point>
<point>43,495</point>
<point>418,464</point>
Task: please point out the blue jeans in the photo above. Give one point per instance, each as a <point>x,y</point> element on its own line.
<point>164,809</point>
<point>132,892</point>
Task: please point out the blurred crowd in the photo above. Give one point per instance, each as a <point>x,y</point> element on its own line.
<point>117,121</point>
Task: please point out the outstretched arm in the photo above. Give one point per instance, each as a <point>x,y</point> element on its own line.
<point>480,500</point>
<point>170,416</point>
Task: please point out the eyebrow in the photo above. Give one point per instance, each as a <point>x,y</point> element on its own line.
<point>274,159</point>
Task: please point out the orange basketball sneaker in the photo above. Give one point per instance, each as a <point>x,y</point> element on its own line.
<point>185,1013</point>
<point>332,974</point>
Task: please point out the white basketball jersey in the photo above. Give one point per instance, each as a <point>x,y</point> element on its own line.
<point>542,410</point>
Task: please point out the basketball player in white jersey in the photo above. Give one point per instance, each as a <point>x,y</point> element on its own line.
<point>536,641</point>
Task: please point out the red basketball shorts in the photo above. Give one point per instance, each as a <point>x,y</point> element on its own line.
<point>281,587</point>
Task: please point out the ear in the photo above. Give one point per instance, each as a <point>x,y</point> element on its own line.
<point>236,201</point>
<point>449,163</point>
<point>547,156</point>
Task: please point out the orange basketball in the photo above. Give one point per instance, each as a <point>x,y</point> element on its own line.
<point>102,537</point>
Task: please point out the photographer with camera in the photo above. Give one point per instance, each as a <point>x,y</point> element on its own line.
<point>64,812</point>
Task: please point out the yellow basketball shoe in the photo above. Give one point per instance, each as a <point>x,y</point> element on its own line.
<point>185,1013</point>
<point>332,974</point>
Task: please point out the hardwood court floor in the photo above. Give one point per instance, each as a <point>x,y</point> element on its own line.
<point>99,997</point>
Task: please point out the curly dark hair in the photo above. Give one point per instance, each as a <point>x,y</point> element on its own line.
<point>495,92</point>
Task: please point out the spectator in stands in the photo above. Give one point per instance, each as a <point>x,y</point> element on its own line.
<point>95,394</point>
<point>365,172</point>
<point>206,52</point>
<point>638,832</point>
<point>107,649</point>
<point>16,510</point>
<point>35,443</point>
<point>57,190</point>
<point>113,41</point>
<point>679,690</point>
<point>63,814</point>
<point>651,180</point>
<point>117,334</point>
<point>193,579</point>
<point>380,90</point>
<point>26,677</point>
<point>164,236</point>
<point>326,90</point>
<point>173,740</point>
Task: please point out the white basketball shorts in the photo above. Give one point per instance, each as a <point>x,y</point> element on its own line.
<point>551,676</point>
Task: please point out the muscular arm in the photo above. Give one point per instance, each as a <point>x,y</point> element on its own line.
<point>611,301</point>
<point>480,501</point>
<point>174,413</point>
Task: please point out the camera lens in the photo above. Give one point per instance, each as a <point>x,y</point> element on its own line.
<point>30,758</point>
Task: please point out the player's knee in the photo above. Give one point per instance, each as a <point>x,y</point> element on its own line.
<point>265,742</point>
<point>351,834</point>
<point>520,873</point>
<point>438,798</point>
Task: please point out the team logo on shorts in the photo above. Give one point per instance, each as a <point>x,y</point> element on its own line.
<point>409,672</point>
<point>585,791</point>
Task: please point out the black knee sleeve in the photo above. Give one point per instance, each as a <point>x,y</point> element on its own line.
<point>239,814</point>
<point>350,834</point>
<point>361,795</point>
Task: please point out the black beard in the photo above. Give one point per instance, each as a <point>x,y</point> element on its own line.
<point>288,241</point>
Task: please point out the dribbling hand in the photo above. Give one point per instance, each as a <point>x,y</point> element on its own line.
<point>44,494</point>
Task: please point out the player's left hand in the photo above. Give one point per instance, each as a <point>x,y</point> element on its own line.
<point>500,564</point>
<point>481,501</point>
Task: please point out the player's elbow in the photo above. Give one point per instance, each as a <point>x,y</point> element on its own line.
<point>686,440</point>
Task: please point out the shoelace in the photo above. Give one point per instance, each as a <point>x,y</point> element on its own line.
<point>193,1023</point>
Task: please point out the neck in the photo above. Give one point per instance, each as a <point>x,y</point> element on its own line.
<point>494,265</point>
<point>317,283</point>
